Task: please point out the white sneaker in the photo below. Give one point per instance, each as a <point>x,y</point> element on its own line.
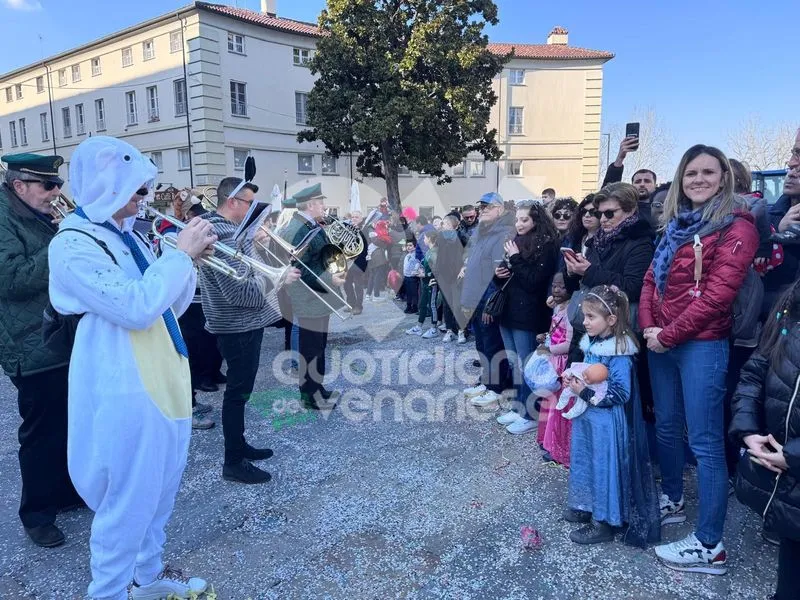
<point>475,390</point>
<point>522,426</point>
<point>442,327</point>
<point>508,418</point>
<point>691,556</point>
<point>169,583</point>
<point>415,330</point>
<point>671,512</point>
<point>486,399</point>
<point>448,337</point>
<point>462,338</point>
<point>431,333</point>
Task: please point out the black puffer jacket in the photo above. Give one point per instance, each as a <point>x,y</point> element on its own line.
<point>767,401</point>
<point>526,292</point>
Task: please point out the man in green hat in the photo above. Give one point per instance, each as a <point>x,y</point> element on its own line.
<point>39,373</point>
<point>311,314</point>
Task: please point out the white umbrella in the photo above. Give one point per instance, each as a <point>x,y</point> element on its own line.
<point>355,198</point>
<point>276,197</point>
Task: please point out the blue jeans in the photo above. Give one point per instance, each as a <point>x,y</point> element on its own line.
<point>520,344</point>
<point>495,374</point>
<point>689,387</point>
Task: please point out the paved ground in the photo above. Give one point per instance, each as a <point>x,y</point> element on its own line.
<point>417,499</point>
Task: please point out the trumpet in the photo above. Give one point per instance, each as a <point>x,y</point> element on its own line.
<point>61,207</point>
<point>294,255</point>
<point>251,265</point>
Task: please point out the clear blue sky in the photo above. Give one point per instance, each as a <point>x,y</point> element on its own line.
<point>702,65</point>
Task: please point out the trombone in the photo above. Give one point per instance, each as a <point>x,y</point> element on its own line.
<point>294,255</point>
<point>251,265</point>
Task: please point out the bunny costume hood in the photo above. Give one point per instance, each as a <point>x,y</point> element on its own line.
<point>104,174</point>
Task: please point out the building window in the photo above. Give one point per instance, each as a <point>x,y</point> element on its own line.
<point>130,108</point>
<point>328,165</point>
<point>9,95</point>
<point>40,84</point>
<point>515,120</point>
<point>96,69</point>
<point>183,159</point>
<point>477,168</point>
<point>127,56</point>
<point>19,91</point>
<point>148,50</point>
<point>80,120</point>
<point>514,168</point>
<point>100,114</point>
<point>459,169</point>
<point>152,104</point>
<point>305,163</point>
<point>239,158</point>
<point>517,77</point>
<point>62,77</point>
<point>76,73</point>
<point>23,133</point>
<point>66,119</point>
<point>44,126</point>
<point>179,91</point>
<point>175,42</point>
<point>403,171</point>
<point>301,108</point>
<point>12,130</point>
<point>301,56</point>
<point>235,43</point>
<point>158,161</point>
<point>238,99</point>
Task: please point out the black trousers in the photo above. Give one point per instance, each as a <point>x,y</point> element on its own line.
<point>788,578</point>
<point>354,285</point>
<point>242,352</point>
<point>411,291</point>
<point>205,359</point>
<point>46,486</point>
<point>312,342</point>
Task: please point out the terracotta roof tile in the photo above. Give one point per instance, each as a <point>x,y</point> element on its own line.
<point>535,51</point>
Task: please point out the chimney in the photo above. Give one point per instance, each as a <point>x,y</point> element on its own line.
<point>559,36</point>
<point>268,7</point>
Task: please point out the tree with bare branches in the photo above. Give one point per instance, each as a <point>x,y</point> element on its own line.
<point>761,146</point>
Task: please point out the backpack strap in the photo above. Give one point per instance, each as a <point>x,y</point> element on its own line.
<point>99,242</point>
<point>698,265</point>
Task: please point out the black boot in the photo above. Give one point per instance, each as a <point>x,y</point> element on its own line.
<point>251,453</point>
<point>594,532</point>
<point>576,516</point>
<point>46,536</point>
<point>245,472</point>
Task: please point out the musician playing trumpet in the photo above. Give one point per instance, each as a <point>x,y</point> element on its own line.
<point>312,315</point>
<point>236,312</point>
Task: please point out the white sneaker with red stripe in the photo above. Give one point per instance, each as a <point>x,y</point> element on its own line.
<point>689,555</point>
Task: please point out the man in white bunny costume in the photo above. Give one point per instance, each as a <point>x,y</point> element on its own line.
<point>129,384</point>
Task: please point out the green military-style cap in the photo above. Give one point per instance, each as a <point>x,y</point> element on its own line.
<point>37,166</point>
<point>312,192</point>
<point>289,202</point>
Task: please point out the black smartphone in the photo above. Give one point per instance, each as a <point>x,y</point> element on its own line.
<point>632,130</point>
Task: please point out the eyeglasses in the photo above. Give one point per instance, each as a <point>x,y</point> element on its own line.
<point>142,192</point>
<point>562,215</point>
<point>485,207</point>
<point>608,214</point>
<point>49,186</point>
<point>590,212</point>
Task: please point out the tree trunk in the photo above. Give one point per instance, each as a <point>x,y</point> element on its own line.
<point>390,174</point>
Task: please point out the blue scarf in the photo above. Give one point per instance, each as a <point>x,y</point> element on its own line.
<point>169,318</point>
<point>681,229</point>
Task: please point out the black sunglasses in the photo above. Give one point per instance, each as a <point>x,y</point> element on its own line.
<point>608,214</point>
<point>590,212</point>
<point>49,186</point>
<point>564,215</point>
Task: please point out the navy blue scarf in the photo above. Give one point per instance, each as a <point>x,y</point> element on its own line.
<point>681,229</point>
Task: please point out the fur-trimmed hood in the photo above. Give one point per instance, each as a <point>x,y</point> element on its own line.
<point>608,346</point>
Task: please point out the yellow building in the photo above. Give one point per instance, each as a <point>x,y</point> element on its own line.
<point>201,88</point>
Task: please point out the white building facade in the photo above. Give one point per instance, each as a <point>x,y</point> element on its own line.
<point>200,89</point>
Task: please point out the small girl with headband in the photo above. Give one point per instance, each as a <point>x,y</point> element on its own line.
<point>611,483</point>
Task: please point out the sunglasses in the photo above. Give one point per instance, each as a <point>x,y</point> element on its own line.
<point>590,212</point>
<point>49,186</point>
<point>562,215</point>
<point>608,214</point>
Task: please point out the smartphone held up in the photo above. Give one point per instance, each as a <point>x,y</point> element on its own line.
<point>632,131</point>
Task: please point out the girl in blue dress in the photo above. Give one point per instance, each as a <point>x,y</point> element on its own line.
<point>611,483</point>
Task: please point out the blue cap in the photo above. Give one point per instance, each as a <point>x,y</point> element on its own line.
<point>491,198</point>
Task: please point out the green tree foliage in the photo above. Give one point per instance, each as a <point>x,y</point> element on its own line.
<point>404,83</point>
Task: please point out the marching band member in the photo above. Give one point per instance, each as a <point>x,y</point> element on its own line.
<point>311,314</point>
<point>237,312</point>
<point>39,373</point>
<point>129,383</point>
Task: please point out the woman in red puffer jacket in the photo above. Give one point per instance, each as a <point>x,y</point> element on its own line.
<point>685,313</point>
